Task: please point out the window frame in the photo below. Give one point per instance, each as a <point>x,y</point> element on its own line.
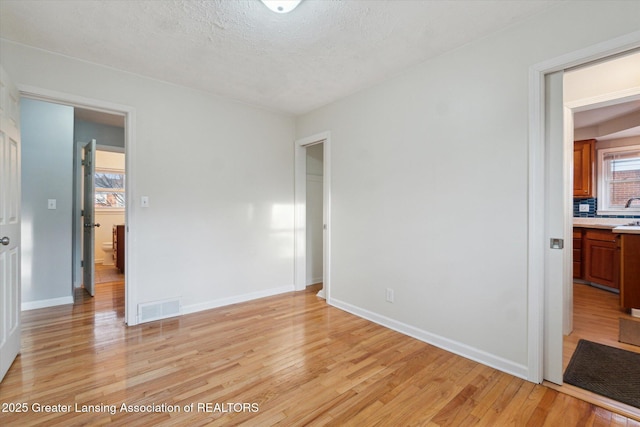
<point>603,182</point>
<point>97,189</point>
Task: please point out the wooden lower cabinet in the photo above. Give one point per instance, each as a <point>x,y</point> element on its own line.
<point>601,257</point>
<point>630,270</point>
<point>577,254</point>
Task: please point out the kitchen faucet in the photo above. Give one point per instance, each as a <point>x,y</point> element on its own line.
<point>631,200</point>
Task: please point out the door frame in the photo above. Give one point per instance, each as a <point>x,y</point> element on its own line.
<point>300,212</point>
<point>87,209</point>
<point>538,229</point>
<point>129,114</point>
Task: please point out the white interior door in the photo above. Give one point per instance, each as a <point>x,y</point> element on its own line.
<point>556,257</point>
<point>9,223</point>
<point>88,217</point>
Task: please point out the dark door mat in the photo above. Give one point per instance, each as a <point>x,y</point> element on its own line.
<point>607,371</point>
<point>629,331</point>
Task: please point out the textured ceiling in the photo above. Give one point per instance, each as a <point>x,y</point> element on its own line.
<point>320,52</point>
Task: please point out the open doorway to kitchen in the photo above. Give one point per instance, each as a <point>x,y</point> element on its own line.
<point>550,213</point>
<point>603,121</point>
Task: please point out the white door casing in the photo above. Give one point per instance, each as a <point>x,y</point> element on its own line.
<point>131,295</point>
<point>555,259</point>
<point>10,248</point>
<point>300,236</point>
<point>541,320</point>
<point>88,217</point>
<point>567,289</point>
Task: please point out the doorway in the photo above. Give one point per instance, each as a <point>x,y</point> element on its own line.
<point>315,215</point>
<point>549,208</point>
<point>126,116</point>
<point>313,212</point>
<point>102,197</point>
<point>603,117</point>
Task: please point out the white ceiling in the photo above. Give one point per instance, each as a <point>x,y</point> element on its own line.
<point>94,116</point>
<point>601,115</point>
<point>322,51</point>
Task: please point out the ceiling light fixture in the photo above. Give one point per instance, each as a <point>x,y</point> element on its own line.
<point>281,6</point>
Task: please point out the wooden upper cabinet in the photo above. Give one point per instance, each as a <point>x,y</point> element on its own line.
<point>584,157</point>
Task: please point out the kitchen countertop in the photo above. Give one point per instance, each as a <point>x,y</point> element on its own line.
<point>616,225</point>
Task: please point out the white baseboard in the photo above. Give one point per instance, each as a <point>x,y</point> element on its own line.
<point>207,305</point>
<point>43,303</point>
<point>455,347</point>
<point>315,280</point>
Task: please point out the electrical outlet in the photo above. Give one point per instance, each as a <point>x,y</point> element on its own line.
<point>51,204</point>
<point>584,207</point>
<point>389,295</point>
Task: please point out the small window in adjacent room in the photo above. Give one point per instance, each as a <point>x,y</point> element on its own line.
<point>109,189</point>
<point>619,180</point>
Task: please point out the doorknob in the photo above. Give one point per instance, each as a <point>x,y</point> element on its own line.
<point>5,241</point>
<point>87,225</point>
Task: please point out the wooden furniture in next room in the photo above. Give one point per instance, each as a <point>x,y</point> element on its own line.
<point>118,246</point>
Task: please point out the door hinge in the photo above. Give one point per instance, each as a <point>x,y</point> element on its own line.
<point>81,263</point>
<point>82,212</point>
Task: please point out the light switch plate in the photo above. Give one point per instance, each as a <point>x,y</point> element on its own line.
<point>584,207</point>
<point>51,204</point>
<point>144,201</point>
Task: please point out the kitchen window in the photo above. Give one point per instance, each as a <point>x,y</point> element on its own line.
<point>619,180</point>
<point>109,189</point>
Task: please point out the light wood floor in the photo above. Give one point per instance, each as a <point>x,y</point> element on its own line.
<point>297,360</point>
<point>107,273</point>
<point>596,317</point>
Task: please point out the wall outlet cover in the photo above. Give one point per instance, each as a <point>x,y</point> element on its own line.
<point>584,207</point>
<point>389,295</point>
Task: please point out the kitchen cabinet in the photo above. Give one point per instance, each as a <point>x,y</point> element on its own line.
<point>577,253</point>
<point>601,257</point>
<point>584,157</point>
<point>630,270</point>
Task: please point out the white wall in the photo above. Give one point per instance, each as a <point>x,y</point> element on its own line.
<point>104,135</point>
<point>314,212</point>
<point>47,159</point>
<point>219,176</point>
<point>429,186</point>
<point>107,218</point>
<point>619,142</point>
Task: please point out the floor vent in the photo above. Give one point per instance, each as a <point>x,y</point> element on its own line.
<point>149,311</point>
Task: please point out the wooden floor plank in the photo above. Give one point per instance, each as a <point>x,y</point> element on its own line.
<point>298,360</point>
<point>596,317</point>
